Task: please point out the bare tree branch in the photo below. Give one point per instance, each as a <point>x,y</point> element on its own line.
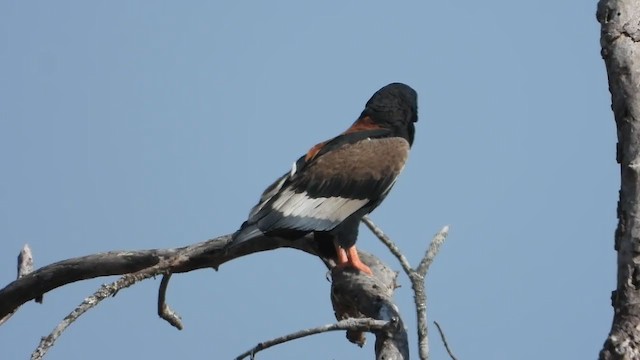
<point>164,311</point>
<point>206,254</point>
<point>434,248</point>
<point>620,41</point>
<point>389,243</point>
<point>47,341</point>
<point>25,266</point>
<point>444,340</point>
<point>347,324</point>
<point>352,292</point>
<point>25,261</point>
<point>104,292</point>
<point>355,295</point>
<point>416,277</point>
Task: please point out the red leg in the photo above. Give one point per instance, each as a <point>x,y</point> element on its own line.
<point>350,258</point>
<point>354,260</point>
<point>342,258</point>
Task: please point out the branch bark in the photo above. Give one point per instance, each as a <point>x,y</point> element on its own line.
<point>25,266</point>
<point>347,324</point>
<point>355,295</point>
<point>201,255</point>
<point>362,295</point>
<point>90,302</point>
<point>620,41</point>
<point>444,341</point>
<point>164,311</point>
<point>417,277</point>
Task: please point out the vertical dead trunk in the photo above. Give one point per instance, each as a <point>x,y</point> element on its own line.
<point>620,41</point>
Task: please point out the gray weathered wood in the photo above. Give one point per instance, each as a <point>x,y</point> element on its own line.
<point>367,301</point>
<point>620,41</point>
<point>355,295</point>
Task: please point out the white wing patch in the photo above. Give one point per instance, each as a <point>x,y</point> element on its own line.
<point>266,196</point>
<point>333,208</point>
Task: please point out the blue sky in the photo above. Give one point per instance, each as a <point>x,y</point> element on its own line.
<point>133,125</point>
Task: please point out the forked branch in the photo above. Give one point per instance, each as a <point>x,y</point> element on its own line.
<point>416,276</point>
<point>361,303</point>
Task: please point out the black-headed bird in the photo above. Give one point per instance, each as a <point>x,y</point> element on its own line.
<point>330,188</point>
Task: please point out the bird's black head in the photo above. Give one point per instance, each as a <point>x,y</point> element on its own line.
<point>395,106</point>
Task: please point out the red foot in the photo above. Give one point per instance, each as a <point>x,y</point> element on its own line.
<point>350,258</point>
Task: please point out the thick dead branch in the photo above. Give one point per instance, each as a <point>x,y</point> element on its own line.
<point>391,342</point>
<point>620,41</point>
<point>347,324</point>
<point>197,256</point>
<point>417,278</point>
<point>355,295</point>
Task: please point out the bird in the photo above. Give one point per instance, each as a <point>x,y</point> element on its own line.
<point>337,182</point>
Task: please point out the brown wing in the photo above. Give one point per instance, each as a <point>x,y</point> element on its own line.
<point>350,178</point>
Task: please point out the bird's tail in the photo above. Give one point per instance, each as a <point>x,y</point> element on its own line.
<point>246,232</point>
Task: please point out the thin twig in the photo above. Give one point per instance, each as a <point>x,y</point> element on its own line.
<point>347,324</point>
<point>104,292</point>
<point>416,276</point>
<point>389,243</point>
<point>444,340</point>
<point>164,311</point>
<point>25,266</point>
